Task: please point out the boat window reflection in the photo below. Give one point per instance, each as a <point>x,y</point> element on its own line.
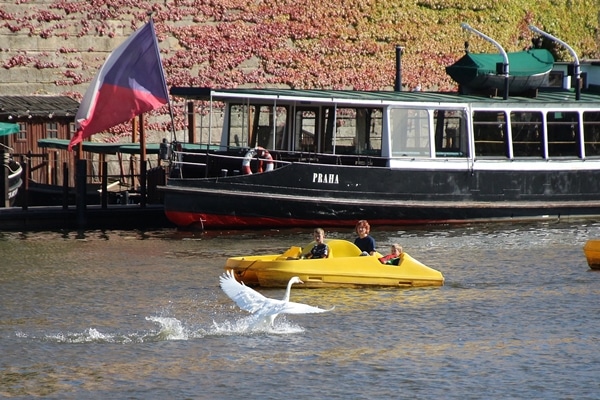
<point>353,131</point>
<point>450,133</point>
<point>409,133</point>
<point>257,125</point>
<point>591,133</point>
<point>527,130</point>
<point>490,133</point>
<point>563,134</point>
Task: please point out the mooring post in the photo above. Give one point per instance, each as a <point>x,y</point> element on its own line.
<point>26,164</point>
<point>4,179</point>
<point>104,184</point>
<point>81,190</point>
<point>65,186</point>
<point>143,183</point>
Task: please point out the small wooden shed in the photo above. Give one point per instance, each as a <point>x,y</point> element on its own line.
<point>40,117</point>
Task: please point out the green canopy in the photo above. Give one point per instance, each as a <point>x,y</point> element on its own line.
<point>527,69</point>
<point>8,129</point>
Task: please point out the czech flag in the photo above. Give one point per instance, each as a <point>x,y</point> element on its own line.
<point>130,82</point>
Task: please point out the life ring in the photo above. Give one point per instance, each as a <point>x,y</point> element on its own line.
<point>263,157</point>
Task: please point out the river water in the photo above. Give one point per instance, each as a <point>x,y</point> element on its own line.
<point>140,315</point>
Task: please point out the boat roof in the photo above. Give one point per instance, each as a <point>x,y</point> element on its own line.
<point>545,97</point>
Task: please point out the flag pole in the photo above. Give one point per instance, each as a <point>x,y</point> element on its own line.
<point>162,72</point>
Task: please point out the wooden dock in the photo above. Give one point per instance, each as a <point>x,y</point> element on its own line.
<point>114,216</point>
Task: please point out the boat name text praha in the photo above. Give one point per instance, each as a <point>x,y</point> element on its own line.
<point>326,178</point>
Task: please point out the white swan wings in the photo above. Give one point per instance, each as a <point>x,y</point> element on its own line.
<point>261,306</point>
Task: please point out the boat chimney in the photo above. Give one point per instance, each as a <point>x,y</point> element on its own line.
<point>398,83</point>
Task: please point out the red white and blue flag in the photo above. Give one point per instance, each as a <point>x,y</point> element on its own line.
<point>130,82</point>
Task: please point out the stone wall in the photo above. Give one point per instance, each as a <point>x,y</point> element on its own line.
<point>48,51</point>
<point>62,62</point>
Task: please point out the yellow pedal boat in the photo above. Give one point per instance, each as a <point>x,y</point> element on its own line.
<point>345,267</point>
<point>592,253</point>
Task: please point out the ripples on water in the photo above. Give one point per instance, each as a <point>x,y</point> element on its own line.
<point>124,314</point>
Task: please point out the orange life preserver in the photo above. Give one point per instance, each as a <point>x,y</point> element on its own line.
<point>263,157</point>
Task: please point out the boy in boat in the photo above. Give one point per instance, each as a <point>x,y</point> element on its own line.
<point>364,241</point>
<point>394,257</point>
<point>320,249</point>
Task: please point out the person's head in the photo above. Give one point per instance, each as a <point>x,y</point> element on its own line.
<point>396,249</point>
<point>319,235</point>
<point>362,228</point>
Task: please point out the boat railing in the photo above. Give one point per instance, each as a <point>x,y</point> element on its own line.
<point>10,149</point>
<point>198,163</point>
<point>179,157</point>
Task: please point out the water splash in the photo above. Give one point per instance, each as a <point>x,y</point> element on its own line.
<point>170,329</point>
<point>91,335</point>
<point>249,326</point>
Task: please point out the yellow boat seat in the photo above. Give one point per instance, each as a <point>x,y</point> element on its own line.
<point>291,253</point>
<point>342,248</point>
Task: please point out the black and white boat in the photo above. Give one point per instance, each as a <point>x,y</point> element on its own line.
<point>13,169</point>
<point>15,181</point>
<point>305,158</point>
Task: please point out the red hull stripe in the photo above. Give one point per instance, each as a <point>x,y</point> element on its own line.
<point>210,221</point>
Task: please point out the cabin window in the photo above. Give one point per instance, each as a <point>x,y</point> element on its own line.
<point>257,125</point>
<point>22,135</point>
<point>490,132</point>
<point>450,133</point>
<point>527,134</point>
<point>51,130</point>
<point>409,132</point>
<point>591,133</point>
<point>556,79</point>
<point>305,128</point>
<point>563,134</point>
<point>357,131</point>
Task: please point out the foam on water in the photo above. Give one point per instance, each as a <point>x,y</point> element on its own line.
<point>248,326</point>
<point>169,329</point>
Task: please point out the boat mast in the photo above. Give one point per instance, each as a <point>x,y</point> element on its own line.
<point>505,66</point>
<point>577,67</point>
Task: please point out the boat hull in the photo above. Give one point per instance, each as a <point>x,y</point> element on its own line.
<point>419,197</point>
<point>591,250</point>
<point>344,268</point>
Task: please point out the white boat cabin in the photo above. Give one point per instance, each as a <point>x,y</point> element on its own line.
<point>410,126</point>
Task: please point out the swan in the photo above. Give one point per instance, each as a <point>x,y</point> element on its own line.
<point>264,308</point>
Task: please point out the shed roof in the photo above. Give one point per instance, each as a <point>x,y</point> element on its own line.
<point>37,106</point>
